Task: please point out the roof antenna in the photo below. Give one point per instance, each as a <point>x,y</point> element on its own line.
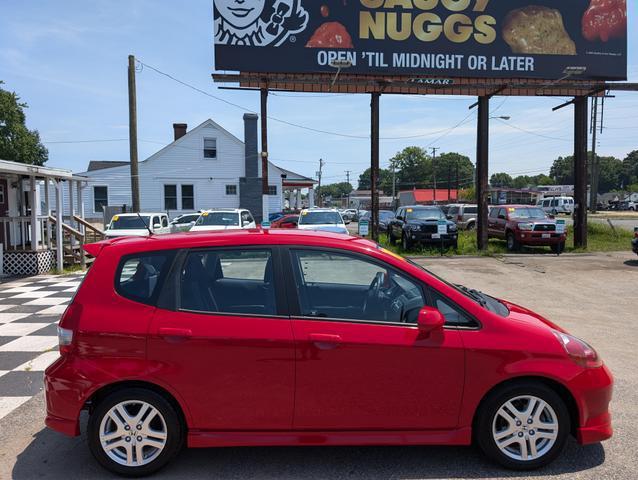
<point>150,232</point>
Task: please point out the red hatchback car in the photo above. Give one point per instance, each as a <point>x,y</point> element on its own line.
<point>304,338</point>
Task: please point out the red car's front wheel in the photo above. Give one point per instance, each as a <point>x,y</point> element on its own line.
<point>523,426</point>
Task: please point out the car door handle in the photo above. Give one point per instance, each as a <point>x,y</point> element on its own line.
<point>175,332</point>
<point>324,338</point>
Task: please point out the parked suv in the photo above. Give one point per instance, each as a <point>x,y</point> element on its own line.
<point>524,225</point>
<point>463,214</point>
<point>285,337</point>
<point>419,224</point>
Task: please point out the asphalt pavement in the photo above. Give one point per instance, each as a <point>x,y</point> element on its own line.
<point>593,296</point>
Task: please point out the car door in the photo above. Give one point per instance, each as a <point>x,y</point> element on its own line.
<point>361,362</point>
<point>222,340</point>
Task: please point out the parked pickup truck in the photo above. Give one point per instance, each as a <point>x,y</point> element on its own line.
<point>524,225</point>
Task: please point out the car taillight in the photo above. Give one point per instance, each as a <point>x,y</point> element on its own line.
<point>578,350</point>
<point>65,340</point>
<point>68,324</point>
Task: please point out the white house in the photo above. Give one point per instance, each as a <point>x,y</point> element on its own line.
<point>206,167</point>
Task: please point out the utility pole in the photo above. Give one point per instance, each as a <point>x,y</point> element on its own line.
<point>457,179</point>
<point>434,149</point>
<point>449,181</point>
<point>394,186</point>
<point>374,164</point>
<point>593,187</point>
<point>348,181</point>
<point>319,201</point>
<point>132,134</point>
<point>264,154</point>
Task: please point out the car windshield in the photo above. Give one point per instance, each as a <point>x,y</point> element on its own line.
<point>531,212</point>
<point>218,218</point>
<point>425,214</point>
<point>320,218</point>
<point>130,223</point>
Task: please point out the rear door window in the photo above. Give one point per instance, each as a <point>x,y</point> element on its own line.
<point>228,281</point>
<point>470,210</point>
<point>140,277</point>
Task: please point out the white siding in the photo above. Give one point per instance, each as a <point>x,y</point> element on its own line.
<point>180,163</point>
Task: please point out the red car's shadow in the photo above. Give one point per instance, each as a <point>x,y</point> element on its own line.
<point>51,455</point>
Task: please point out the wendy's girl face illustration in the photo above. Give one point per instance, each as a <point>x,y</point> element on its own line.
<point>240,13</point>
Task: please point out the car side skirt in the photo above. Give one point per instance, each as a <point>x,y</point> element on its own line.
<point>205,439</point>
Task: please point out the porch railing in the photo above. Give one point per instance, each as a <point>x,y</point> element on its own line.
<point>16,233</point>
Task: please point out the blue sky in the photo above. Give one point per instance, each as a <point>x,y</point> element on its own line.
<point>67,60</point>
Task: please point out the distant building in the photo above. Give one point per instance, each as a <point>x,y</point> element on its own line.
<point>428,196</point>
<point>206,167</point>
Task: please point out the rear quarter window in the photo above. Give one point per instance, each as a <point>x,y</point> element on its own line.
<point>139,277</point>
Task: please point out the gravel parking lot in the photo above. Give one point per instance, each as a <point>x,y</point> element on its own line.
<point>593,296</point>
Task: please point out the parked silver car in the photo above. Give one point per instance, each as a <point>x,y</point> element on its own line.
<point>463,214</point>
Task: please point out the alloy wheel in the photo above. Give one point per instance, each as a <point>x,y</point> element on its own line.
<point>525,428</point>
<point>133,433</point>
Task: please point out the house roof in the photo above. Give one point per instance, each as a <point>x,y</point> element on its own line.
<point>18,168</point>
<point>292,177</point>
<point>427,194</point>
<point>102,164</point>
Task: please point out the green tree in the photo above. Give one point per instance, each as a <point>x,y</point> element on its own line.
<point>336,190</point>
<point>446,166</point>
<point>610,172</point>
<point>630,168</point>
<point>385,180</point>
<point>412,166</point>
<point>501,180</point>
<point>17,142</point>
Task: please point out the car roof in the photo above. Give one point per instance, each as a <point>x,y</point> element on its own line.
<point>228,210</point>
<point>422,206</point>
<point>234,237</point>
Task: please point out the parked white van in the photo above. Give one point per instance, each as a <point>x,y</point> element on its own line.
<point>556,205</point>
<point>137,225</point>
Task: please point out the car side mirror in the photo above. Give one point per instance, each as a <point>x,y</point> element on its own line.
<point>501,217</point>
<point>399,217</point>
<point>430,319</point>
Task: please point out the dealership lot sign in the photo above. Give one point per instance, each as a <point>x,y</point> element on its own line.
<point>443,38</point>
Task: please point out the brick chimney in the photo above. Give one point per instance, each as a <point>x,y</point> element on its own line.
<point>179,129</point>
<point>251,159</point>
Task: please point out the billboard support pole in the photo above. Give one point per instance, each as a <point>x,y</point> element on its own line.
<point>374,164</point>
<point>264,153</point>
<point>482,159</point>
<point>580,172</point>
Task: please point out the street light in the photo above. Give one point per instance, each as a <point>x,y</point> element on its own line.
<point>502,117</point>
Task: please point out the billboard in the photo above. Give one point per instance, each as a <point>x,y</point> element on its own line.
<point>445,38</point>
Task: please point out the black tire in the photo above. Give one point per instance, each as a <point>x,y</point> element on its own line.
<point>471,226</point>
<point>405,243</point>
<point>558,248</point>
<point>174,431</point>
<point>455,245</point>
<point>391,239</point>
<point>512,244</point>
<point>487,416</point>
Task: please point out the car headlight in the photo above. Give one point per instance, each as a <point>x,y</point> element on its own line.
<point>578,350</point>
<point>415,227</point>
<point>528,227</point>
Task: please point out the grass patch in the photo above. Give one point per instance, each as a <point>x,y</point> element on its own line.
<point>601,238</point>
<point>68,270</point>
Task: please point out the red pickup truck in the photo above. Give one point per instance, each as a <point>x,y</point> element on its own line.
<point>524,225</point>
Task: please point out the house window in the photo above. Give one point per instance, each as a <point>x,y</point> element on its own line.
<point>170,197</point>
<point>188,197</point>
<point>231,189</point>
<point>100,198</point>
<point>2,193</point>
<point>210,148</point>
<point>272,189</point>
